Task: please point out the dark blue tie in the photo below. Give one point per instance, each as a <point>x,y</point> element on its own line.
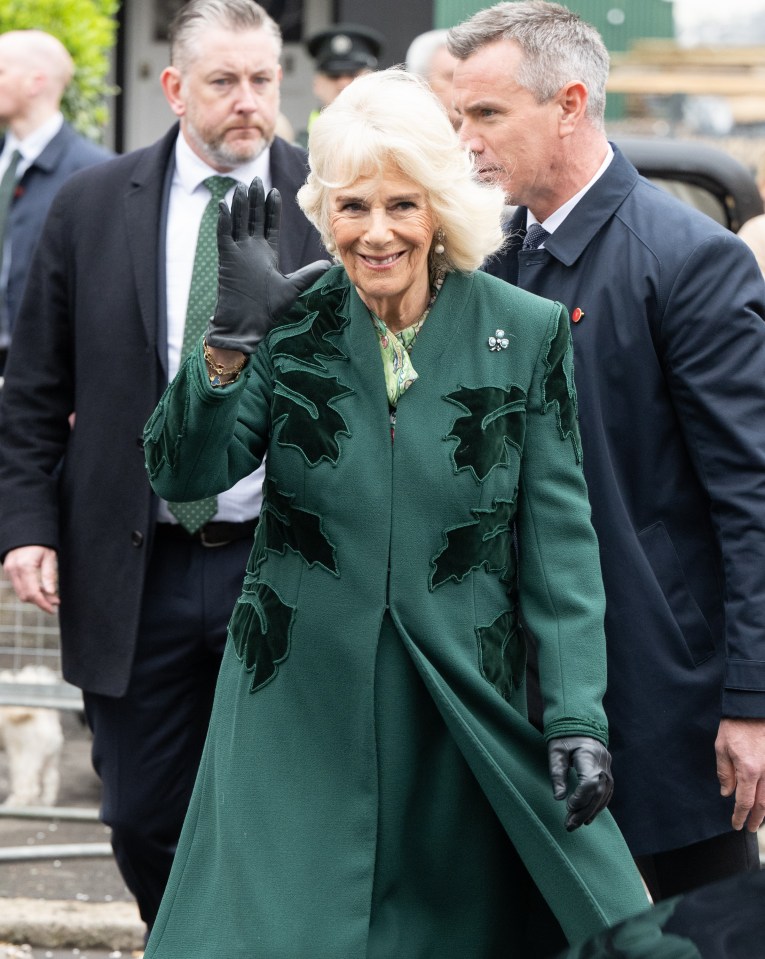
<point>535,237</point>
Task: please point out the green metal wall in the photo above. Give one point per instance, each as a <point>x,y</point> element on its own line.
<point>620,23</point>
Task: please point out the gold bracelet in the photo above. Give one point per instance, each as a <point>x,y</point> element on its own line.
<point>215,379</point>
<point>217,370</point>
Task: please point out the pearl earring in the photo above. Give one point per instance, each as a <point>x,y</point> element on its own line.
<point>439,247</point>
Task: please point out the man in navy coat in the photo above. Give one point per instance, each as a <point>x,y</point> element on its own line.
<point>35,70</point>
<point>667,312</point>
<point>143,602</point>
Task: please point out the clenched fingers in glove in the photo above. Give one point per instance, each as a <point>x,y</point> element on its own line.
<point>592,763</point>
<point>252,292</point>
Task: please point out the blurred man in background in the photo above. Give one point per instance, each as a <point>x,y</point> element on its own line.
<point>38,152</point>
<point>428,56</point>
<point>342,53</point>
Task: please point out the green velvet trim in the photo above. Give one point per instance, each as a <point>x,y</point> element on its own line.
<point>303,411</point>
<point>484,543</point>
<point>494,419</point>
<point>557,385</point>
<point>300,530</point>
<point>260,629</point>
<point>641,937</point>
<point>502,653</point>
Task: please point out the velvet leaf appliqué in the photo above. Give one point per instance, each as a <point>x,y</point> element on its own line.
<point>494,420</point>
<point>303,406</point>
<point>300,530</point>
<point>485,543</point>
<point>260,626</point>
<point>502,653</point>
<point>557,389</point>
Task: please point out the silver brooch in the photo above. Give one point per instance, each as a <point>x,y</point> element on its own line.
<point>499,341</point>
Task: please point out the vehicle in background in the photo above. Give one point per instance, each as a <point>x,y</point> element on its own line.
<point>704,176</point>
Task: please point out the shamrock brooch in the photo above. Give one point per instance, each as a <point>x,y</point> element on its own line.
<point>499,341</point>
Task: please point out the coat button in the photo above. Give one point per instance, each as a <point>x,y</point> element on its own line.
<point>136,538</point>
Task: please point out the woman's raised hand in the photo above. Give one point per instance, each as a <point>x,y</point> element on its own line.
<point>252,292</point>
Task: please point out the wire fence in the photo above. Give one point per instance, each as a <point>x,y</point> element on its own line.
<point>30,658</point>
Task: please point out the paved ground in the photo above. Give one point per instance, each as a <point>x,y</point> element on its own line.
<point>59,906</point>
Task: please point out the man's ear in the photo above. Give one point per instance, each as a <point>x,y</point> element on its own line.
<point>572,100</point>
<point>170,79</point>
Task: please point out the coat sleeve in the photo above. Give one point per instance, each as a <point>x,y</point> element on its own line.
<point>38,395</point>
<point>200,441</point>
<point>560,586</point>
<point>712,345</point>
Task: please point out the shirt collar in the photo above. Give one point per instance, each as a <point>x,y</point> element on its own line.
<point>191,170</point>
<point>553,221</point>
<point>32,146</point>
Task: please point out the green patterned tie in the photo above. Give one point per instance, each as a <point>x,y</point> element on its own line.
<point>203,295</point>
<point>7,186</point>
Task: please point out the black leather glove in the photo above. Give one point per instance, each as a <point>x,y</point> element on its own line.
<point>592,762</point>
<point>252,293</point>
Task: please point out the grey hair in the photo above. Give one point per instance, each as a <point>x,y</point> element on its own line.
<point>392,118</point>
<point>558,48</point>
<point>197,15</point>
<point>421,50</point>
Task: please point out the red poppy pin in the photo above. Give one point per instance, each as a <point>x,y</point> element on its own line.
<point>577,315</point>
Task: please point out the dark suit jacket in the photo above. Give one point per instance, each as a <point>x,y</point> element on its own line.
<point>670,372</point>
<point>90,338</point>
<point>66,153</point>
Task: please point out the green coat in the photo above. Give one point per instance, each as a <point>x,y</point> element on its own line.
<point>361,539</point>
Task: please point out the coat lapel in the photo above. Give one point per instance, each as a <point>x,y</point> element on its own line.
<point>145,217</point>
<point>447,321</point>
<point>288,173</point>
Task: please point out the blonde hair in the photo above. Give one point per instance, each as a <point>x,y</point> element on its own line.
<point>392,118</point>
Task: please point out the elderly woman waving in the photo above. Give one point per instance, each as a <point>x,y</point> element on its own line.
<point>371,787</point>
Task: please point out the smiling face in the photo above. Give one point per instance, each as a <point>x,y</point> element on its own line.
<point>227,97</point>
<point>383,229</point>
<point>514,139</point>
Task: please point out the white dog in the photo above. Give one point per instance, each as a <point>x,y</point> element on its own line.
<point>33,740</point>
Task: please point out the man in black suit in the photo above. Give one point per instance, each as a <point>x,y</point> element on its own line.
<point>38,150</point>
<point>667,313</point>
<point>143,601</point>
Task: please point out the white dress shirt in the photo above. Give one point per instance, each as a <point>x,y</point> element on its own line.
<point>553,221</point>
<point>30,147</point>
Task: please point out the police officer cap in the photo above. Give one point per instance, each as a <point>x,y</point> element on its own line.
<point>345,49</point>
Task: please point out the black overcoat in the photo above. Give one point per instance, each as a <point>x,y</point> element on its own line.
<point>90,339</point>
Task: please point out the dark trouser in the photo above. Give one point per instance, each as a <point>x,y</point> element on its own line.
<point>147,744</point>
<point>677,871</point>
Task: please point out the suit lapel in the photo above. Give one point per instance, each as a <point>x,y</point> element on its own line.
<point>145,202</point>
